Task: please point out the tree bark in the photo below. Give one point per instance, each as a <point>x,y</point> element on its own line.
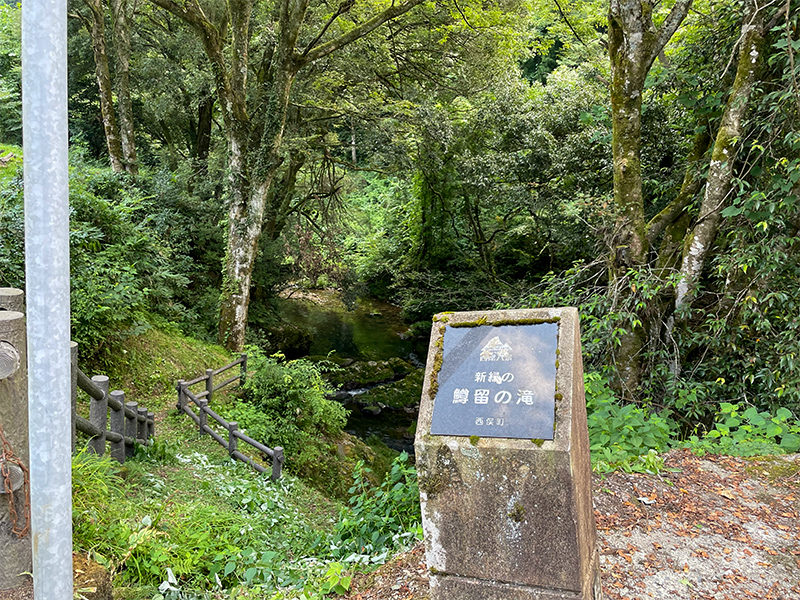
<point>720,173</point>
<point>122,54</point>
<point>634,43</point>
<point>97,31</point>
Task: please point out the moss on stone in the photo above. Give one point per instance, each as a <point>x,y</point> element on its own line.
<point>517,514</point>
<point>484,320</point>
<point>474,439</point>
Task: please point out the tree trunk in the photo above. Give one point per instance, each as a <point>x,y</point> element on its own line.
<point>634,43</point>
<point>97,31</point>
<point>122,55</point>
<point>246,215</point>
<point>720,172</point>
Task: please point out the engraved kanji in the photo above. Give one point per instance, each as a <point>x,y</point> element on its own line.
<point>481,396</point>
<point>490,421</point>
<point>479,421</point>
<point>525,396</point>
<point>480,377</point>
<point>460,396</point>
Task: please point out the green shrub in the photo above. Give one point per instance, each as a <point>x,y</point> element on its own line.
<point>284,404</point>
<point>748,433</point>
<point>631,437</point>
<point>378,520</point>
<point>622,436</point>
<point>128,266</point>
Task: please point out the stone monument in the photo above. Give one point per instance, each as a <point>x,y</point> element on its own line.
<point>15,541</point>
<point>503,459</point>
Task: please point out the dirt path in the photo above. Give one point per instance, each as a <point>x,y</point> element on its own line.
<point>719,528</point>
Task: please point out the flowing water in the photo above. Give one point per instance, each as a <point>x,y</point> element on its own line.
<point>373,330</point>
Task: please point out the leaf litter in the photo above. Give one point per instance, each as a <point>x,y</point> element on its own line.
<point>711,527</point>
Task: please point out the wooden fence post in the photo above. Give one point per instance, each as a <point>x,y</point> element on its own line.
<point>130,426</point>
<point>141,428</point>
<point>181,396</point>
<point>201,404</point>
<point>98,415</point>
<point>233,441</point>
<point>118,426</point>
<point>277,463</point>
<point>209,384</point>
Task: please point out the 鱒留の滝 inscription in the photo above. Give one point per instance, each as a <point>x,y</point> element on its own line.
<point>497,382</point>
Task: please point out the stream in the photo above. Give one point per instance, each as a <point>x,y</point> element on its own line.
<point>372,331</point>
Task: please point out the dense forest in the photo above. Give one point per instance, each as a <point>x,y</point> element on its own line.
<point>639,160</point>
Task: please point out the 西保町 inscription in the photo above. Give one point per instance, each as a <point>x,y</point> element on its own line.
<point>497,381</point>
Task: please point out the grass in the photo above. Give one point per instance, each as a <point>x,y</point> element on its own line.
<point>148,365</point>
<point>14,166</point>
<point>180,519</point>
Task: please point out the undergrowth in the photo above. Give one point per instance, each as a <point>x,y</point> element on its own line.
<point>173,524</point>
<point>632,437</point>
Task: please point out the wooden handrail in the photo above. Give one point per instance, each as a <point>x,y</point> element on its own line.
<point>201,401</point>
<point>140,423</point>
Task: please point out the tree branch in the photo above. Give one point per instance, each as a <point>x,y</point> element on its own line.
<point>671,24</point>
<point>343,8</point>
<point>566,20</point>
<point>357,32</point>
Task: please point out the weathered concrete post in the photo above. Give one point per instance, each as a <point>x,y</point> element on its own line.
<point>14,550</point>
<point>503,459</point>
<point>12,299</point>
<point>117,425</point>
<point>98,414</point>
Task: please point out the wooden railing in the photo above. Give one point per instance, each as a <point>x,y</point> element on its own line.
<point>201,401</point>
<point>111,419</point>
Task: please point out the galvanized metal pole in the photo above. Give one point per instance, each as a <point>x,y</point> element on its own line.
<point>44,118</point>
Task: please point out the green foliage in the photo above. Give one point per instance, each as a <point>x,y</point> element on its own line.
<point>232,529</point>
<point>624,436</point>
<point>378,520</point>
<point>10,75</point>
<point>284,404</point>
<point>748,432</point>
<point>133,244</point>
<point>630,437</point>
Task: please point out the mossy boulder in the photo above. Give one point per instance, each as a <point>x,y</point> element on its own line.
<point>402,394</point>
<point>291,340</point>
<point>371,372</point>
<point>332,473</point>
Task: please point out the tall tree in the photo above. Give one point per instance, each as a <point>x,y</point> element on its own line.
<point>253,94</point>
<point>95,25</point>
<point>634,44</point>
<point>117,121</point>
<point>121,33</point>
<point>676,239</point>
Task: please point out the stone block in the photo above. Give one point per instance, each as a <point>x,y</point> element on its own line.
<point>508,518</point>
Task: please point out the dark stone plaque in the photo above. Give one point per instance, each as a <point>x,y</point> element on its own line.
<point>497,382</point>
